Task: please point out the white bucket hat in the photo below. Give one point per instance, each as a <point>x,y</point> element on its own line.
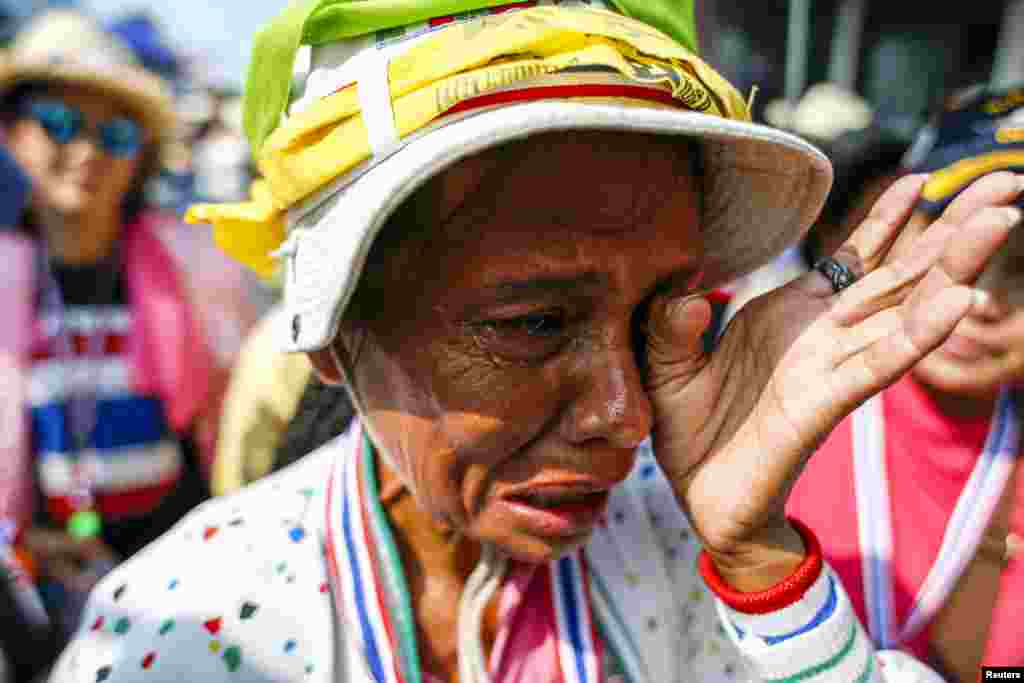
<point>63,46</point>
<point>585,69</point>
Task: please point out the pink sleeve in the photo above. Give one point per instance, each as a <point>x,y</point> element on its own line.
<point>189,307</point>
<point>16,296</point>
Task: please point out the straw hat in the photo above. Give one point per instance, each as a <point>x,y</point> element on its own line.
<point>62,46</point>
<point>391,101</point>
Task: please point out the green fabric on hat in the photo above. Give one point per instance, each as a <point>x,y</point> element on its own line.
<point>314,22</point>
<point>674,18</point>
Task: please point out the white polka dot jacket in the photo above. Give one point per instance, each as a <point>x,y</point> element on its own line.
<point>277,584</point>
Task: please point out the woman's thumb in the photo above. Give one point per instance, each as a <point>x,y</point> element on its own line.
<point>675,342</point>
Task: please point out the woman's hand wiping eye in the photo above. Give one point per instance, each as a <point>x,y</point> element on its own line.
<point>733,428</point>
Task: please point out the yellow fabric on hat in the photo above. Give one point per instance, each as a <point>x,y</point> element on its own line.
<point>300,160</point>
<point>247,232</point>
<point>312,148</point>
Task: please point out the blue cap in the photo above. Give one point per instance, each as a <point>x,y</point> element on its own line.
<point>978,132</point>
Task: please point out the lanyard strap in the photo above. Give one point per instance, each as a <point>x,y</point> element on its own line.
<point>383,620</point>
<point>971,516</point>
<point>577,635</point>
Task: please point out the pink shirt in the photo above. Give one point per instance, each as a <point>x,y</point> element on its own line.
<point>929,457</point>
<point>525,650</point>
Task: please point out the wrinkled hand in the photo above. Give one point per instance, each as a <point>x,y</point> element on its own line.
<point>733,429</point>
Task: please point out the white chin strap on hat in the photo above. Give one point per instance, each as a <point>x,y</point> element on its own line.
<point>347,382</point>
<point>335,67</point>
<point>348,386</point>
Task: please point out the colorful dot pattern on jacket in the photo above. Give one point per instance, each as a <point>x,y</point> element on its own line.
<point>151,627</point>
<point>236,594</point>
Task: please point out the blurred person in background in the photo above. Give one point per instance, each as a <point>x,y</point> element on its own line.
<point>917,487</point>
<point>108,373</point>
<point>205,156</point>
<point>262,399</point>
<point>27,641</point>
<point>276,411</point>
<point>866,163</point>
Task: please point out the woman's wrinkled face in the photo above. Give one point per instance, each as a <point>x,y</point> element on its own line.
<point>501,372</point>
<point>77,177</point>
<point>986,351</point>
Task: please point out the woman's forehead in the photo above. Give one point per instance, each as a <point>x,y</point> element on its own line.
<point>602,225</point>
<point>596,181</point>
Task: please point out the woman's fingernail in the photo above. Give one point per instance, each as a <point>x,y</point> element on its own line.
<point>674,308</point>
<point>1020,183</point>
<point>988,306</point>
<point>980,299</point>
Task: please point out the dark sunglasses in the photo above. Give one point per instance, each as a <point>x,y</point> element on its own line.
<point>119,137</point>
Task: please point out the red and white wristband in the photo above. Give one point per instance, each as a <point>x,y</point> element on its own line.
<point>783,594</point>
<point>800,629</point>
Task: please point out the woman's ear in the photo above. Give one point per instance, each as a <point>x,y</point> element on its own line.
<point>327,366</point>
<point>334,364</point>
<point>334,367</point>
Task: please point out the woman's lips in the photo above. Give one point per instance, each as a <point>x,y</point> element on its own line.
<point>553,511</point>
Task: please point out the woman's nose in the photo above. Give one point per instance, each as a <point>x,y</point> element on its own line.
<point>611,404</point>
<point>83,149</point>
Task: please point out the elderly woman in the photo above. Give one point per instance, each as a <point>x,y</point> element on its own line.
<point>500,226</point>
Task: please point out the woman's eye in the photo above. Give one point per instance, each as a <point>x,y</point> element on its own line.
<point>535,325</point>
<point>530,337</point>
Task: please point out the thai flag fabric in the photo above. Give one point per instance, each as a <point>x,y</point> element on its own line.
<point>131,460</point>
